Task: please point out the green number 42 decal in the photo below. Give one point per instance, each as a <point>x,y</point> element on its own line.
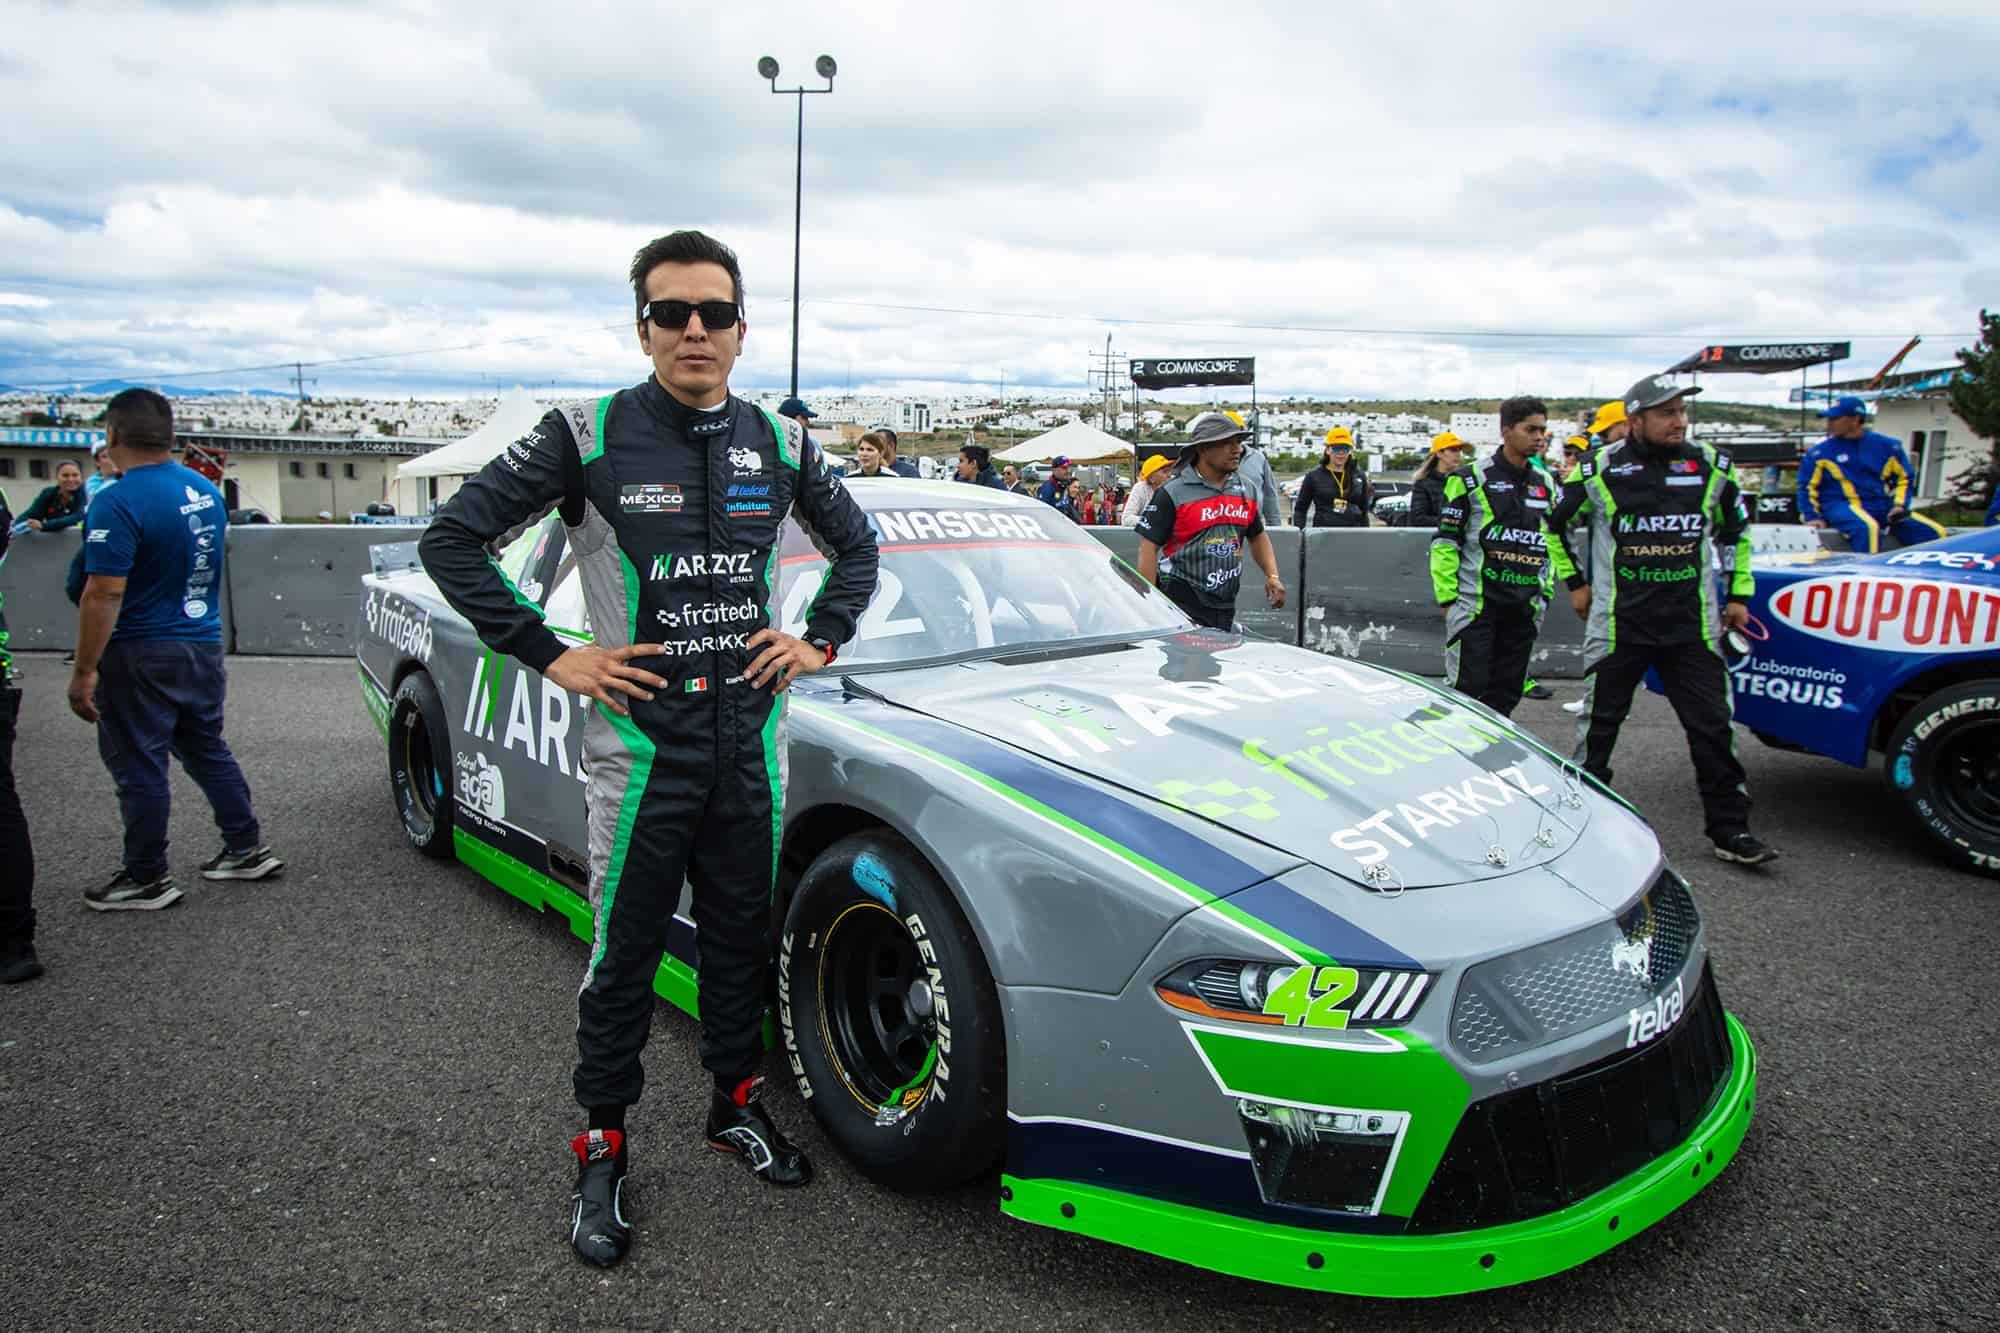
<point>1313,997</point>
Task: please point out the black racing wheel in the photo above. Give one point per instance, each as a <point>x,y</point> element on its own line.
<point>420,765</point>
<point>1943,761</point>
<point>891,1020</point>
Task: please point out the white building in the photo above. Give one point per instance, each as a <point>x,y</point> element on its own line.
<point>913,418</point>
<point>1476,428</point>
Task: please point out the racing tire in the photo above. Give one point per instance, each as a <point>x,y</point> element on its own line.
<point>1943,762</point>
<point>891,1021</point>
<point>420,766</point>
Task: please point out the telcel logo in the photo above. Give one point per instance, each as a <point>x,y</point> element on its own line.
<point>1653,1020</point>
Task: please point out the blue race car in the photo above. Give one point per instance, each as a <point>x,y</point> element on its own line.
<point>1896,653</point>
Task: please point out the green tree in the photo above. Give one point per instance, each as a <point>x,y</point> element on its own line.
<point>1975,398</point>
<point>1975,393</point>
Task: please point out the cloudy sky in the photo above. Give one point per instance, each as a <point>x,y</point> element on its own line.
<point>1373,199</point>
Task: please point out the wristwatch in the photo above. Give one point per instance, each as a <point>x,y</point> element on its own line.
<point>824,645</point>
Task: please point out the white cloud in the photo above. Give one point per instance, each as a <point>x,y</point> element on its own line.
<point>318,182</point>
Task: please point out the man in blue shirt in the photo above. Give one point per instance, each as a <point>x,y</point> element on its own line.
<point>149,655</point>
<point>1859,482</point>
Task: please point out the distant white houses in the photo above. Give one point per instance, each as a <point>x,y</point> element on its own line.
<point>1476,428</point>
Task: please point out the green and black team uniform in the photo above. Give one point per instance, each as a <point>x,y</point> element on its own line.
<point>1489,569</point>
<point>1657,517</point>
<point>674,515</point>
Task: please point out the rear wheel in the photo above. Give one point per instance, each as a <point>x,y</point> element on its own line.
<point>1943,760</point>
<point>891,1020</point>
<point>419,765</point>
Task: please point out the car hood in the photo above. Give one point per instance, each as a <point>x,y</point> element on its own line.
<point>1377,777</point>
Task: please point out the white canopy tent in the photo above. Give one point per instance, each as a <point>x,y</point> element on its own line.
<point>1075,441</point>
<point>517,414</point>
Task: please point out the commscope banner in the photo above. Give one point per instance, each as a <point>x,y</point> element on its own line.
<point>1762,358</point>
<point>1166,372</point>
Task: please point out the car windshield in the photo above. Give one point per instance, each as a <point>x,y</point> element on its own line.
<point>964,581</point>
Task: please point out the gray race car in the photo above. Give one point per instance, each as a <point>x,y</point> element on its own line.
<point>1274,963</point>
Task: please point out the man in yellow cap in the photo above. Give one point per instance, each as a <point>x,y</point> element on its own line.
<point>1152,475</point>
<point>1609,425</point>
<point>1259,482</point>
<point>1334,494</point>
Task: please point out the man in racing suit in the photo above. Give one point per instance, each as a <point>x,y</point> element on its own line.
<point>1858,481</point>
<point>673,494</point>
<point>1489,560</point>
<point>1659,506</point>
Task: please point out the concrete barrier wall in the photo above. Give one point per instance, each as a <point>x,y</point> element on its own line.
<point>31,591</point>
<point>297,589</point>
<point>293,590</point>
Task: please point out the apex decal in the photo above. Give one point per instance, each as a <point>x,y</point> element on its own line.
<point>1891,614</point>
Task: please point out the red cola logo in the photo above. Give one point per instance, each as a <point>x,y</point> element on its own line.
<point>1893,615</point>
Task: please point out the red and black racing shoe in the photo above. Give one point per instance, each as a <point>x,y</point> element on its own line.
<point>738,1123</point>
<point>597,1229</point>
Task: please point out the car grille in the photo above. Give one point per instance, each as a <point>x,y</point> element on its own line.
<point>1549,992</point>
<point>1535,1150</point>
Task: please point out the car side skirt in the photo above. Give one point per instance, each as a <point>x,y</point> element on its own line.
<point>674,982</point>
<point>1357,1264</point>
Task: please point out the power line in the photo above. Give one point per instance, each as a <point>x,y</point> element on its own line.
<point>1326,330</point>
<point>1558,335</point>
<point>294,366</point>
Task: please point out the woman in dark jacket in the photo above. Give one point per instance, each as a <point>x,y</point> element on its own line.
<point>59,506</point>
<point>1427,490</point>
<point>1335,493</point>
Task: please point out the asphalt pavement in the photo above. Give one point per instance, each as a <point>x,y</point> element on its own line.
<point>341,1099</point>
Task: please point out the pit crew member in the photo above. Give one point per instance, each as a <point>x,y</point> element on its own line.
<point>1194,531</point>
<point>1659,506</point>
<point>1858,481</point>
<point>1489,560</point>
<point>674,493</point>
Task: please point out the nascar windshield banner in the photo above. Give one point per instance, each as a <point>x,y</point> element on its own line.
<point>1760,358</point>
<point>1176,372</point>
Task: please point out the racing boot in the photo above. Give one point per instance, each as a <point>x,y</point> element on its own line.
<point>597,1229</point>
<point>738,1123</point>
<point>1745,849</point>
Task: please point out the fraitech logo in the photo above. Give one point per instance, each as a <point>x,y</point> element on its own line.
<point>696,614</point>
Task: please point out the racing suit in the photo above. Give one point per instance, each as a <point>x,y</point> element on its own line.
<point>674,517</point>
<point>1853,484</point>
<point>1657,517</point>
<point>1489,569</point>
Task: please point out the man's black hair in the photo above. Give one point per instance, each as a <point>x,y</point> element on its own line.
<point>978,453</point>
<point>683,247</point>
<point>141,419</point>
<point>1516,410</point>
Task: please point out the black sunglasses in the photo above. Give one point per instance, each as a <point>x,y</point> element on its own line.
<point>673,315</point>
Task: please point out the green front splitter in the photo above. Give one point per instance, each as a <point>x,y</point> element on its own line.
<point>1374,1265</point>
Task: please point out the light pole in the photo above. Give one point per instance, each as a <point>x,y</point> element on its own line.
<point>767,68</point>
